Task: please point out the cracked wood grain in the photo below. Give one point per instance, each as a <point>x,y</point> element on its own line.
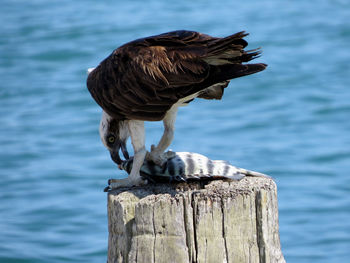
<point>219,221</point>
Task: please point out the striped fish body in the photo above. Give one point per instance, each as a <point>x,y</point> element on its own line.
<point>187,166</point>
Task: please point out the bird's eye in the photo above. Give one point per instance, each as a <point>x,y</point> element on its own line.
<point>111,139</point>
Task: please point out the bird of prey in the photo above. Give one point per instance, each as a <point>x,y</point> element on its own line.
<point>149,78</point>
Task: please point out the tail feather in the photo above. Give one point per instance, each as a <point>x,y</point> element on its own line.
<point>226,55</point>
<point>226,59</point>
<point>234,41</point>
<point>250,55</point>
<point>230,50</point>
<point>231,71</point>
<point>252,173</point>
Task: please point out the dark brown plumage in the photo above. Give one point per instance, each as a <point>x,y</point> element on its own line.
<point>142,79</point>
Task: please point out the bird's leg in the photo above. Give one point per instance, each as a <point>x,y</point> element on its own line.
<point>137,134</point>
<point>157,154</point>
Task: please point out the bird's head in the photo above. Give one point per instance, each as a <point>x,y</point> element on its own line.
<point>114,134</point>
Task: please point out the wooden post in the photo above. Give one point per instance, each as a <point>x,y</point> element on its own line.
<point>219,221</point>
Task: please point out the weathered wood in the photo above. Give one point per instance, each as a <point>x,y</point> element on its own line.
<point>194,222</point>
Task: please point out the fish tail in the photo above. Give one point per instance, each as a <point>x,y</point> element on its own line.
<point>252,173</point>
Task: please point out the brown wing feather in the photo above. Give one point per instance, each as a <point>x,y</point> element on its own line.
<point>144,78</point>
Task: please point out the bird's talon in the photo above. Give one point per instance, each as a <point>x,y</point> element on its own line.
<point>127,182</point>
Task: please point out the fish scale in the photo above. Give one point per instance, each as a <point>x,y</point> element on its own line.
<point>188,166</point>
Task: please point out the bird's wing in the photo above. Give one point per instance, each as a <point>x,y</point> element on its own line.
<point>144,78</point>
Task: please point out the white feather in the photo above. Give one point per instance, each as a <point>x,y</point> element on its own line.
<point>89,70</point>
<point>103,129</point>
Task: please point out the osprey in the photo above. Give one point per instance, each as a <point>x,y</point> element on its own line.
<point>149,78</point>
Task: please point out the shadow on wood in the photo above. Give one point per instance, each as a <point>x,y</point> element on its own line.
<point>219,221</point>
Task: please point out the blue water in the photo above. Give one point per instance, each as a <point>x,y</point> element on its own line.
<point>291,121</point>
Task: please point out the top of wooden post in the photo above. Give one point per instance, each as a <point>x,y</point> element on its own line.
<point>207,188</point>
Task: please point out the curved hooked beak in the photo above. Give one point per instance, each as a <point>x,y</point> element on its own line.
<point>115,152</point>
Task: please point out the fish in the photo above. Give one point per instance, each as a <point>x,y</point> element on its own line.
<point>189,166</point>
